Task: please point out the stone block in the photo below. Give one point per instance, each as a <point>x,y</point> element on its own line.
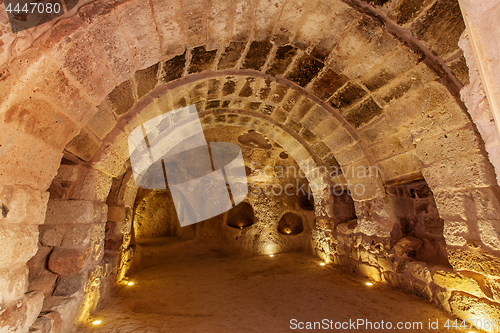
<point>343,19</point>
<point>378,130</point>
<point>387,148</point>
<point>314,117</point>
<point>20,152</point>
<point>439,121</point>
<point>417,104</point>
<point>63,312</point>
<point>441,16</point>
<point>288,22</point>
<point>489,230</point>
<point>367,257</point>
<point>68,261</point>
<point>95,77</point>
<point>84,145</point>
<point>400,166</point>
<point>486,202</point>
<point>68,286</point>
<point>363,112</point>
<point>116,214</point>
<point>109,162</point>
<point>75,211</point>
<point>173,68</point>
<point>232,53</point>
<point>13,283</point>
<point>93,186</point>
<point>137,23</point>
<point>103,121</point>
<point>19,244</point>
<point>41,325</point>
<point>326,127</point>
<point>201,59</point>
<point>363,179</point>
<point>49,80</point>
<point>43,281</point>
<point>121,99</point>
<point>266,14</point>
<point>385,263</point>
<point>34,304</point>
<point>381,44</point>
<point>349,156</point>
<point>257,55</point>
<point>405,11</point>
<point>448,145</point>
<point>351,45</point>
<point>52,235</point>
<point>456,233</point>
<point>172,38</point>
<point>38,118</point>
<point>110,42</point>
<point>460,69</point>
<point>282,59</point>
<point>306,68</point>
<point>218,14</point>
<point>400,61</point>
<point>302,108</point>
<point>312,23</point>
<point>195,22</point>
<point>22,205</point>
<point>77,235</point>
<point>67,173</point>
<point>339,139</point>
<point>348,95</point>
<point>412,80</point>
<point>470,170</point>
<point>291,99</point>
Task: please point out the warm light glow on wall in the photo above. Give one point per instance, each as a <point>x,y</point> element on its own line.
<point>97,322</point>
<point>369,284</point>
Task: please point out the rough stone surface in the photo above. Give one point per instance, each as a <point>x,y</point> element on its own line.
<point>325,81</point>
<point>68,261</point>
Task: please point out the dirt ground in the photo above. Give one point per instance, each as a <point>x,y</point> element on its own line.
<point>259,294</point>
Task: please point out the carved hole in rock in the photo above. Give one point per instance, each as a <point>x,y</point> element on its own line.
<point>155,217</point>
<point>241,216</point>
<point>290,224</point>
<point>253,139</point>
<point>4,210</point>
<point>418,233</point>
<point>283,155</point>
<point>305,197</point>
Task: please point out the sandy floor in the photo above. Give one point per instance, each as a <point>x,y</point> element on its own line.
<point>259,294</point>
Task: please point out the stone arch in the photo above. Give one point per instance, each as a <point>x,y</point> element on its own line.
<point>66,95</point>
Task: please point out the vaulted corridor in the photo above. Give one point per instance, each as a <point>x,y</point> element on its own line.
<point>181,143</point>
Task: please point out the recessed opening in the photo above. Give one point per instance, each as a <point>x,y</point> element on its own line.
<point>290,224</point>
<point>241,216</point>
